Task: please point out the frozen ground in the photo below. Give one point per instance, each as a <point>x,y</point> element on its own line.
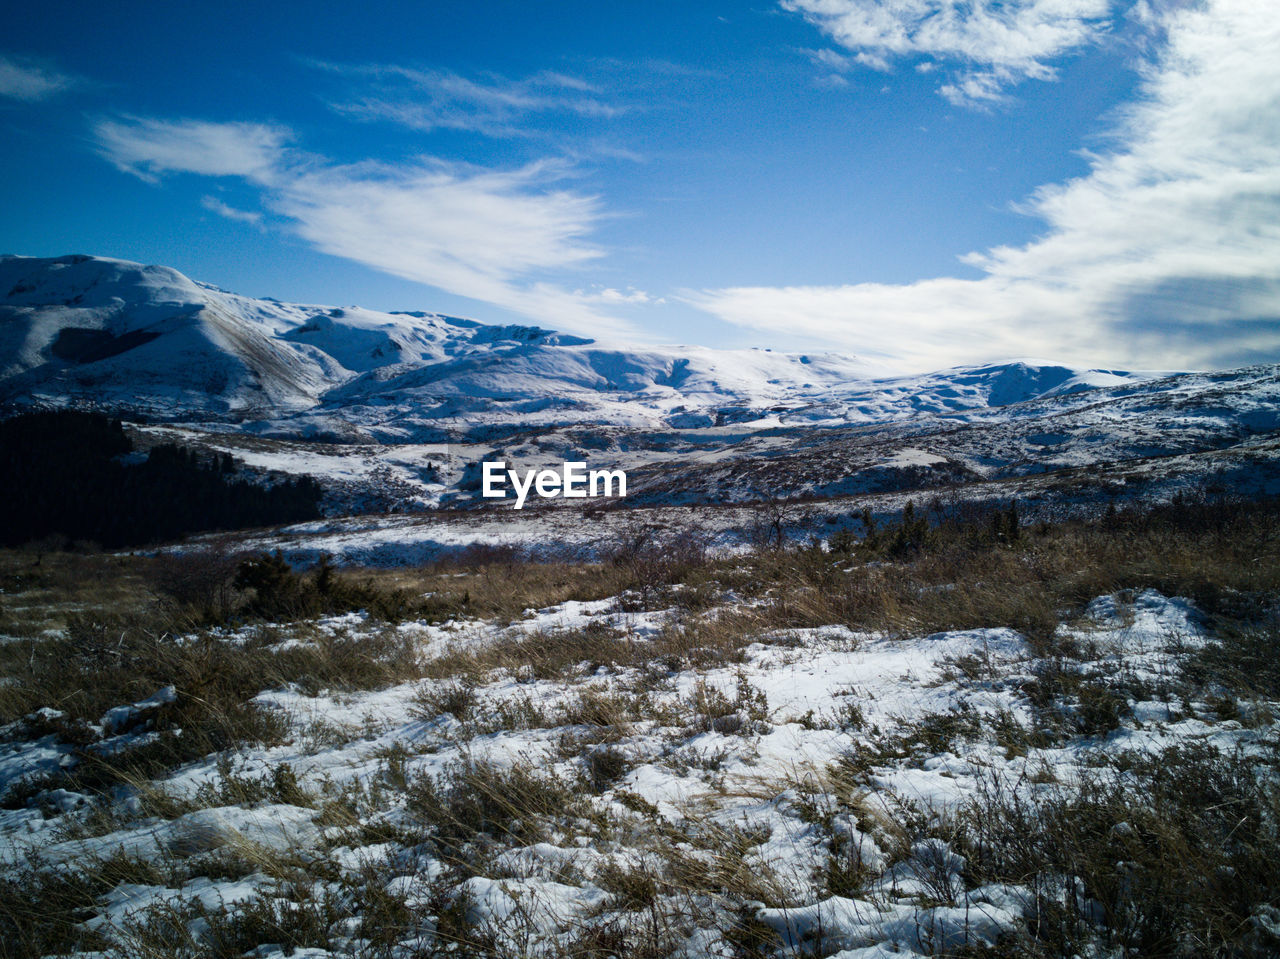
<point>810,784</point>
<point>1251,469</point>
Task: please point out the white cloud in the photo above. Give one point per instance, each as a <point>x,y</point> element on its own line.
<point>147,147</point>
<point>998,44</point>
<point>976,89</point>
<point>30,81</point>
<point>470,233</point>
<point>484,234</point>
<point>630,296</point>
<point>1166,254</point>
<point>214,205</point>
<point>441,99</point>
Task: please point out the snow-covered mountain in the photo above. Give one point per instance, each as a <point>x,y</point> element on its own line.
<point>148,340</point>
<point>416,401</point>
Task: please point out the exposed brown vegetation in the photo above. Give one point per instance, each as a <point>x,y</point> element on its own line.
<point>1197,832</point>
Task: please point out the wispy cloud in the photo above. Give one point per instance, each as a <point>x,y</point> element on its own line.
<point>468,232</point>
<point>615,297</point>
<point>491,235</point>
<point>1167,253</point>
<point>29,80</point>
<point>996,44</point>
<point>214,205</point>
<point>489,104</point>
<point>148,147</point>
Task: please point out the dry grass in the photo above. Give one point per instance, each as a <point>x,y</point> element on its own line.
<point>1224,555</point>
<point>505,589</point>
<point>1198,831</point>
<point>479,806</point>
<point>1173,853</point>
<point>40,591</point>
<point>102,663</point>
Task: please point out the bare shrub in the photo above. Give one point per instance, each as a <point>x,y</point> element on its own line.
<point>201,581</point>
<point>651,557</point>
<point>455,698</point>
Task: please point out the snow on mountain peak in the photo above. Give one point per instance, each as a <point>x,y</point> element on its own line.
<point>148,340</point>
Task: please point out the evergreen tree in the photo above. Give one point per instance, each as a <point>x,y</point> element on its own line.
<point>66,474</point>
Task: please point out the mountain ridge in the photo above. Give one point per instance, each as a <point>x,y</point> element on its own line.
<point>149,341</point>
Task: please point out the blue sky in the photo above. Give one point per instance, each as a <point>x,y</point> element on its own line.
<point>926,182</point>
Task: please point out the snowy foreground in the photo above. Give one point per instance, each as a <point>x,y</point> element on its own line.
<point>819,796</point>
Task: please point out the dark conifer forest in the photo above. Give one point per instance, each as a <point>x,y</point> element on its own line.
<point>71,476</point>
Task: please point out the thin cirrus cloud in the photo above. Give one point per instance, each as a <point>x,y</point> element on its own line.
<point>149,148</point>
<point>997,45</point>
<point>214,205</point>
<point>615,297</point>
<point>492,105</point>
<point>1166,254</point>
<point>30,81</point>
<point>482,234</point>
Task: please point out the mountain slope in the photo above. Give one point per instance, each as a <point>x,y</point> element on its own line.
<point>148,340</point>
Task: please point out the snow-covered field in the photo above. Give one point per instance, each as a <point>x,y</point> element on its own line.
<point>1250,469</point>
<point>682,785</point>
